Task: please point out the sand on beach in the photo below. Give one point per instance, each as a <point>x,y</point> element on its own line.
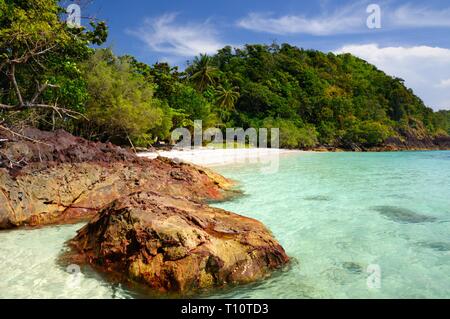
<point>220,156</point>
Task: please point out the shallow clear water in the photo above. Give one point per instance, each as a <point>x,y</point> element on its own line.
<point>29,267</point>
<point>339,214</point>
<point>357,225</point>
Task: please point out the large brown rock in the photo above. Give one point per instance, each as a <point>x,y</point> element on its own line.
<point>150,221</point>
<point>173,244</point>
<point>62,178</point>
<point>70,192</point>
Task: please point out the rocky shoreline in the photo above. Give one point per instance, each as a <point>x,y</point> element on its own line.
<point>407,140</point>
<point>149,219</point>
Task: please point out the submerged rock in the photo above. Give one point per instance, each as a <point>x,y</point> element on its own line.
<point>172,244</point>
<point>352,267</point>
<point>403,215</point>
<point>320,198</point>
<point>437,246</point>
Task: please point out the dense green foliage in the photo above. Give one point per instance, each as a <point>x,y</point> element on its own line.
<point>121,104</point>
<point>338,99</point>
<point>39,56</point>
<point>442,122</point>
<point>312,97</point>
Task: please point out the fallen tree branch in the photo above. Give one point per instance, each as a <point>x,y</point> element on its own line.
<point>132,145</point>
<point>6,107</point>
<point>22,136</point>
<point>12,162</point>
<point>59,110</point>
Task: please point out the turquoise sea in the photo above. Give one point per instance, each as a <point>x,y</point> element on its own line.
<point>357,225</point>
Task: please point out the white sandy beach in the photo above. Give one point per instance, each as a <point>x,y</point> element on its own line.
<point>219,156</point>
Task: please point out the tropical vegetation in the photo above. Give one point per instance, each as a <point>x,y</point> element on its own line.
<point>54,76</point>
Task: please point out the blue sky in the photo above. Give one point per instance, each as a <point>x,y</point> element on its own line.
<point>413,42</point>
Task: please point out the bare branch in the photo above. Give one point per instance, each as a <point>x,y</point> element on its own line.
<point>7,107</point>
<point>22,136</point>
<point>38,63</point>
<point>12,76</point>
<point>61,111</point>
<point>32,53</point>
<point>39,90</point>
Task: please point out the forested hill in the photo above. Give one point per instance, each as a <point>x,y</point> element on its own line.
<point>319,98</point>
<point>51,76</point>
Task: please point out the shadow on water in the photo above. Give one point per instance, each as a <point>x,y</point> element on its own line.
<point>437,246</point>
<point>247,290</point>
<point>323,198</point>
<point>353,267</point>
<point>344,273</point>
<point>403,215</point>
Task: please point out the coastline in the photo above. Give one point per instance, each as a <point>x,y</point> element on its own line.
<point>217,156</point>
<point>161,196</point>
<point>211,157</point>
<point>179,243</point>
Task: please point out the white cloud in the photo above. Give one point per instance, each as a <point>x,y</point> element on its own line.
<point>164,35</point>
<point>423,68</point>
<point>445,83</point>
<point>414,16</point>
<point>348,19</point>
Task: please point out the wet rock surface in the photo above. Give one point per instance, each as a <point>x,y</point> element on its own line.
<point>150,223</point>
<point>172,244</point>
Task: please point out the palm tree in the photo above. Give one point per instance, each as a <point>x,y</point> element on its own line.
<point>203,73</point>
<point>227,96</point>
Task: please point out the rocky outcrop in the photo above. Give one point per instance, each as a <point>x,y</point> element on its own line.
<point>52,148</point>
<point>149,219</point>
<point>442,142</point>
<point>405,140</point>
<point>66,179</point>
<point>410,139</point>
<point>173,244</point>
<point>71,192</point>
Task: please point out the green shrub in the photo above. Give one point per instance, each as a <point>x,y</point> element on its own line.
<point>292,136</point>
<point>368,133</point>
<point>121,105</point>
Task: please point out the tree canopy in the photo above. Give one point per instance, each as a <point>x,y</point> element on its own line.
<point>39,56</point>
<point>52,77</point>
